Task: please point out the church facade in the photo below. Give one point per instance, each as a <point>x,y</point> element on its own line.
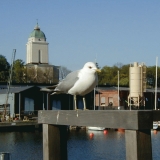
<point>38,69</point>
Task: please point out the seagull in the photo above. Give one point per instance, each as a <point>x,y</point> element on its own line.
<point>80,82</point>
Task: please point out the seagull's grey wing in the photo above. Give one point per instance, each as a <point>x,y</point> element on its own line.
<point>67,83</point>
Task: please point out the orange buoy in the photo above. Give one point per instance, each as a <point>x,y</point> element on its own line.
<point>105,131</point>
<point>121,130</point>
<point>155,131</point>
<point>91,135</point>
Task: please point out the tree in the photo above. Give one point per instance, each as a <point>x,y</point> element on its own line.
<point>31,74</point>
<point>109,75</point>
<point>151,76</point>
<point>18,71</point>
<point>106,76</point>
<point>63,72</point>
<point>4,69</point>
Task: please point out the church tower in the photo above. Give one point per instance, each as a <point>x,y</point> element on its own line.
<point>37,47</point>
<point>38,69</point>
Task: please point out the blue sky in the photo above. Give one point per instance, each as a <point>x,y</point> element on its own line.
<point>78,31</point>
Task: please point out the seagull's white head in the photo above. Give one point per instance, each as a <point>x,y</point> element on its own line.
<point>91,67</point>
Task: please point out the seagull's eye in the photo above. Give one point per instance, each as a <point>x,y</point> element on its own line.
<point>90,67</point>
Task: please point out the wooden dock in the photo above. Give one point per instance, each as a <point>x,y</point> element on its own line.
<point>18,123</point>
<point>137,125</point>
<point>20,126</point>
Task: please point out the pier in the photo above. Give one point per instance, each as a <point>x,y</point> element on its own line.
<point>137,125</point>
<point>20,125</point>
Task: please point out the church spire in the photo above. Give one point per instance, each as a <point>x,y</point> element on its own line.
<point>37,27</point>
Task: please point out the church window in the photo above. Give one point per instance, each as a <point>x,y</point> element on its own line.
<point>39,56</point>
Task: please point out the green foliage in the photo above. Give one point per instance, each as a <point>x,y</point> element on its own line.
<point>109,75</point>
<point>18,71</point>
<point>4,69</point>
<point>151,76</point>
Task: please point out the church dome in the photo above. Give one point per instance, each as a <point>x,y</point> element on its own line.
<point>37,33</point>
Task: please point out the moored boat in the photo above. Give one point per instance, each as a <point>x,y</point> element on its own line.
<point>155,125</point>
<point>96,128</point>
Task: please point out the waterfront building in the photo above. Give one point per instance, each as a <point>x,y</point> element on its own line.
<point>28,99</point>
<point>107,98</point>
<point>21,100</point>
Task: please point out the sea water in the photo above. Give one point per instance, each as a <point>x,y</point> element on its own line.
<point>109,146</point>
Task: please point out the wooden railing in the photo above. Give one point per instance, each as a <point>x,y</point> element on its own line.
<point>137,125</point>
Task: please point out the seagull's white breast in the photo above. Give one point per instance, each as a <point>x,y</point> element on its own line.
<point>85,83</point>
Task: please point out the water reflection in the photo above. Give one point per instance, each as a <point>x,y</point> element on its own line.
<point>109,146</point>
<point>101,146</point>
<point>22,145</point>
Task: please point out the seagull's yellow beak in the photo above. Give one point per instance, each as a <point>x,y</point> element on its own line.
<point>98,70</point>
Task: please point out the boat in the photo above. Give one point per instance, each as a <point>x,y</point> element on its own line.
<point>96,128</point>
<point>155,125</point>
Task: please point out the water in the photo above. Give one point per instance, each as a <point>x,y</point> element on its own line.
<point>110,146</point>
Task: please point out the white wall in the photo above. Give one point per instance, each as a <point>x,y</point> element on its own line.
<point>10,101</point>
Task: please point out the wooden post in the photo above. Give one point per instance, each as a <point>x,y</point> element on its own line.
<point>54,142</point>
<point>137,125</point>
<point>138,144</point>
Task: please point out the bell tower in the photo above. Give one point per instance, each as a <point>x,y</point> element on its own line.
<point>37,47</point>
<point>38,69</point>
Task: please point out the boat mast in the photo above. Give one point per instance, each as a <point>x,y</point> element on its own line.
<point>156,85</point>
<point>9,83</point>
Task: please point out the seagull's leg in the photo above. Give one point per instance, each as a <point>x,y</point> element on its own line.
<point>84,103</point>
<point>75,104</point>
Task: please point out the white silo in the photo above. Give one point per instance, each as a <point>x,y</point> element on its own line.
<point>137,83</point>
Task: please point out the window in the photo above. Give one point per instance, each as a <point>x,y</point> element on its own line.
<point>103,101</point>
<point>110,101</point>
<point>39,56</point>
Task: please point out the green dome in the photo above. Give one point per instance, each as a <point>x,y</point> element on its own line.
<point>37,33</point>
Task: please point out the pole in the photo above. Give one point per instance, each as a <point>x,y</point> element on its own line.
<point>19,106</point>
<point>47,100</point>
<point>94,99</point>
<point>43,101</point>
<point>9,83</point>
<point>156,85</point>
<point>118,89</point>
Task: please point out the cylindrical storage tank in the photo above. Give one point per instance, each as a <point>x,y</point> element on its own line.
<point>136,88</point>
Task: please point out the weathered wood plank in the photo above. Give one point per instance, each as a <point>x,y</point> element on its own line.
<point>156,115</point>
<point>126,119</point>
<point>54,142</point>
<point>138,144</point>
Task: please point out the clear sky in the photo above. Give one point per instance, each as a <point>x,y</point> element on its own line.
<point>78,31</point>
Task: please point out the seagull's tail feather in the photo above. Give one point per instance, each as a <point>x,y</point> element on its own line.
<point>56,91</point>
<point>49,89</point>
<point>46,90</point>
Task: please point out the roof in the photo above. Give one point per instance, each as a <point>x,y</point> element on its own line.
<point>112,88</point>
<point>37,33</point>
<point>124,89</point>
<point>15,89</point>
